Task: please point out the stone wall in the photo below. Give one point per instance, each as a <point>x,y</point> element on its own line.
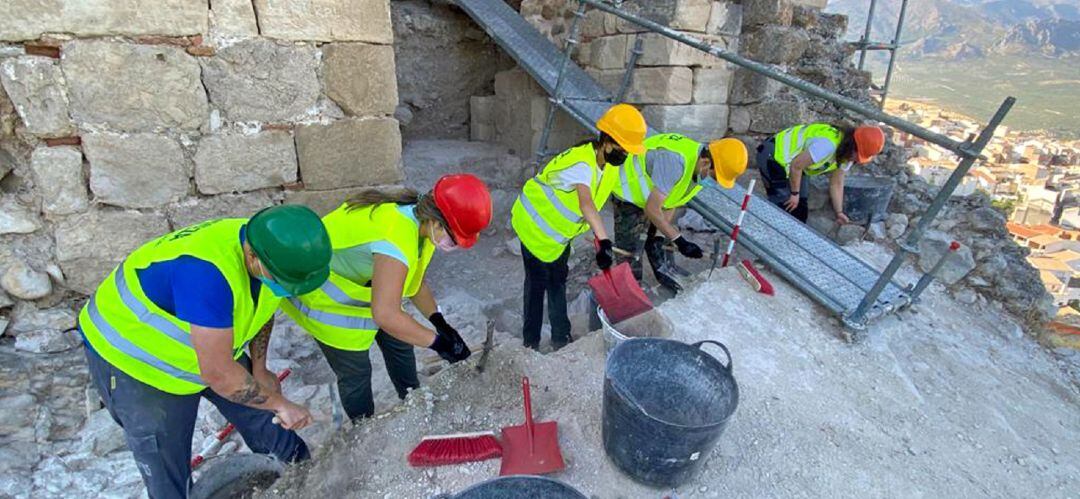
<point>120,121</point>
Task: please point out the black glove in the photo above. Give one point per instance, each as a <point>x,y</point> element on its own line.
<point>448,343</point>
<point>687,248</point>
<point>654,249</point>
<point>605,255</point>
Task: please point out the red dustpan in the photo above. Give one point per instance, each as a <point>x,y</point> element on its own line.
<point>619,294</point>
<point>532,448</point>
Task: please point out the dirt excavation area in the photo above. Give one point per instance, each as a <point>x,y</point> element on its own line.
<point>946,400</point>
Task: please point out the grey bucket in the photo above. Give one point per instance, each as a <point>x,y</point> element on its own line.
<point>651,324</point>
<point>520,487</point>
<point>866,198</point>
<point>666,403</point>
<point>236,475</point>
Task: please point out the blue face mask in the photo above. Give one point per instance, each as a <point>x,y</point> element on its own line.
<point>275,288</point>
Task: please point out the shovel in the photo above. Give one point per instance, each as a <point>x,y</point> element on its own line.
<point>532,448</point>
<point>618,293</point>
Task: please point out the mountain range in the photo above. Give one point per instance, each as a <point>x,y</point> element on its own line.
<point>966,29</point>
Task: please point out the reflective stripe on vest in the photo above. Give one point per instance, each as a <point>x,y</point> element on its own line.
<point>546,219</point>
<point>339,313</point>
<point>133,334</point>
<point>635,178</point>
<point>792,141</point>
<point>636,185</point>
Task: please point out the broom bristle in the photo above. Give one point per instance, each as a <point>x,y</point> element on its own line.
<point>440,450</point>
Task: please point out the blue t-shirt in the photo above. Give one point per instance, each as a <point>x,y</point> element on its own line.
<point>193,290</point>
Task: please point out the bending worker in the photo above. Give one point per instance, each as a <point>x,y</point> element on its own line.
<point>788,159</point>
<point>382,243</point>
<point>661,180</point>
<point>170,325</point>
<point>562,202</point>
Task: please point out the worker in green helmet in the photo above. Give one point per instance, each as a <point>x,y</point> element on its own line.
<point>188,316</point>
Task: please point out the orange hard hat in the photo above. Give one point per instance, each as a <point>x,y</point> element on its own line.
<point>626,125</point>
<point>869,141</point>
<point>465,203</point>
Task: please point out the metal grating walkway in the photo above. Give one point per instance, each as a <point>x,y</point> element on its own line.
<point>810,261</point>
<point>814,263</point>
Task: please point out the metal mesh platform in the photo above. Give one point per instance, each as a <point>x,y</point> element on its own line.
<point>810,261</point>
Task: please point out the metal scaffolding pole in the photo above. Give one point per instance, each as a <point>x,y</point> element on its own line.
<point>892,52</point>
<point>557,98</point>
<point>963,149</point>
<point>866,34</point>
<point>857,319</point>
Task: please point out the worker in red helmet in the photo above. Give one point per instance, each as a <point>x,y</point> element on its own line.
<point>382,243</point>
<point>787,160</point>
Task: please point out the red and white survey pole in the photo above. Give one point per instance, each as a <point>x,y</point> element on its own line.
<point>738,223</point>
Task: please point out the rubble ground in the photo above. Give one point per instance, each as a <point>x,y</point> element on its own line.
<point>947,400</point>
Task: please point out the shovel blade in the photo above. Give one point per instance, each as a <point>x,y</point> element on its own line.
<point>619,294</point>
<point>542,457</point>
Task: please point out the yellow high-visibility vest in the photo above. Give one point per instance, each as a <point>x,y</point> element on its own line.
<point>792,141</point>
<point>339,314</point>
<point>635,184</point>
<point>151,345</point>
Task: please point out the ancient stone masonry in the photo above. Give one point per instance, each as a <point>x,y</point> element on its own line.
<point>121,121</point>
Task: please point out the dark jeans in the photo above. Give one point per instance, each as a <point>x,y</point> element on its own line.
<point>542,278</point>
<point>158,427</point>
<point>630,227</point>
<point>777,185</point>
<point>353,371</point>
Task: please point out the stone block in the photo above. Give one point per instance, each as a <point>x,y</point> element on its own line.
<point>748,87</point>
<point>326,20</point>
<point>712,85</point>
<point>725,18</point>
<point>37,88</point>
<point>29,19</point>
<point>773,115</point>
<point>482,118</point>
<point>598,23</point>
<point>933,246</point>
<point>610,52</point>
<point>133,87</point>
<point>701,122</point>
<point>322,202</point>
<point>692,15</point>
<point>24,282</point>
<point>232,18</point>
<point>59,179</point>
<point>262,80</point>
<point>360,78</point>
<point>739,120</point>
<point>242,162</point>
<point>776,44</point>
<point>427,160</point>
<point>660,50</point>
<point>141,170</point>
<point>349,153</point>
<point>661,85</point>
<point>761,12</point>
<point>15,218</point>
<point>817,4</point>
<point>194,210</point>
<point>90,244</point>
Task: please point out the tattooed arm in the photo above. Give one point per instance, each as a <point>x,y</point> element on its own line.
<point>224,375</point>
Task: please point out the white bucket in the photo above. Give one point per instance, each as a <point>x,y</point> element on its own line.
<point>651,324</point>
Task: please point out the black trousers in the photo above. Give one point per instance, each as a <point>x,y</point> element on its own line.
<point>630,228</point>
<point>353,371</point>
<point>545,279</point>
<point>777,184</point>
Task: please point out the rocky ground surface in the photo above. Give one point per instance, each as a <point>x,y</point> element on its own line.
<point>945,400</point>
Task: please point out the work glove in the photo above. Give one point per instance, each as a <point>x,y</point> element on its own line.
<point>448,343</point>
<point>687,248</point>
<point>605,254</point>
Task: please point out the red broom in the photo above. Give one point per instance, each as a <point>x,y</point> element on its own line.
<point>440,450</point>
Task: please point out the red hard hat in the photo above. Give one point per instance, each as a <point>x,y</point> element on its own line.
<point>465,203</point>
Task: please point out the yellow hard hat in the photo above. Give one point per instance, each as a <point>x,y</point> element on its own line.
<point>729,160</point>
<point>626,125</point>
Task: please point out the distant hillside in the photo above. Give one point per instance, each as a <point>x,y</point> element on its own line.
<point>1053,37</point>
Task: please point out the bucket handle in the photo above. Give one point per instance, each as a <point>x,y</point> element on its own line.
<point>722,347</point>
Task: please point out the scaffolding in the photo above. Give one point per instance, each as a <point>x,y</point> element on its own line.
<point>827,273</point>
<point>865,45</point>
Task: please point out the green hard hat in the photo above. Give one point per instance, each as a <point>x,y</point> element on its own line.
<point>292,243</point>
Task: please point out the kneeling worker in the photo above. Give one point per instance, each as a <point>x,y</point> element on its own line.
<point>382,244</point>
<point>788,159</point>
<point>170,325</point>
<point>661,180</point>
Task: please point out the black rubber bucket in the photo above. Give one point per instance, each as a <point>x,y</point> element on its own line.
<point>866,198</point>
<point>665,405</point>
<point>236,475</point>
<point>520,487</point>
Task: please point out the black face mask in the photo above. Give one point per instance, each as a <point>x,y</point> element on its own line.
<point>615,157</point>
